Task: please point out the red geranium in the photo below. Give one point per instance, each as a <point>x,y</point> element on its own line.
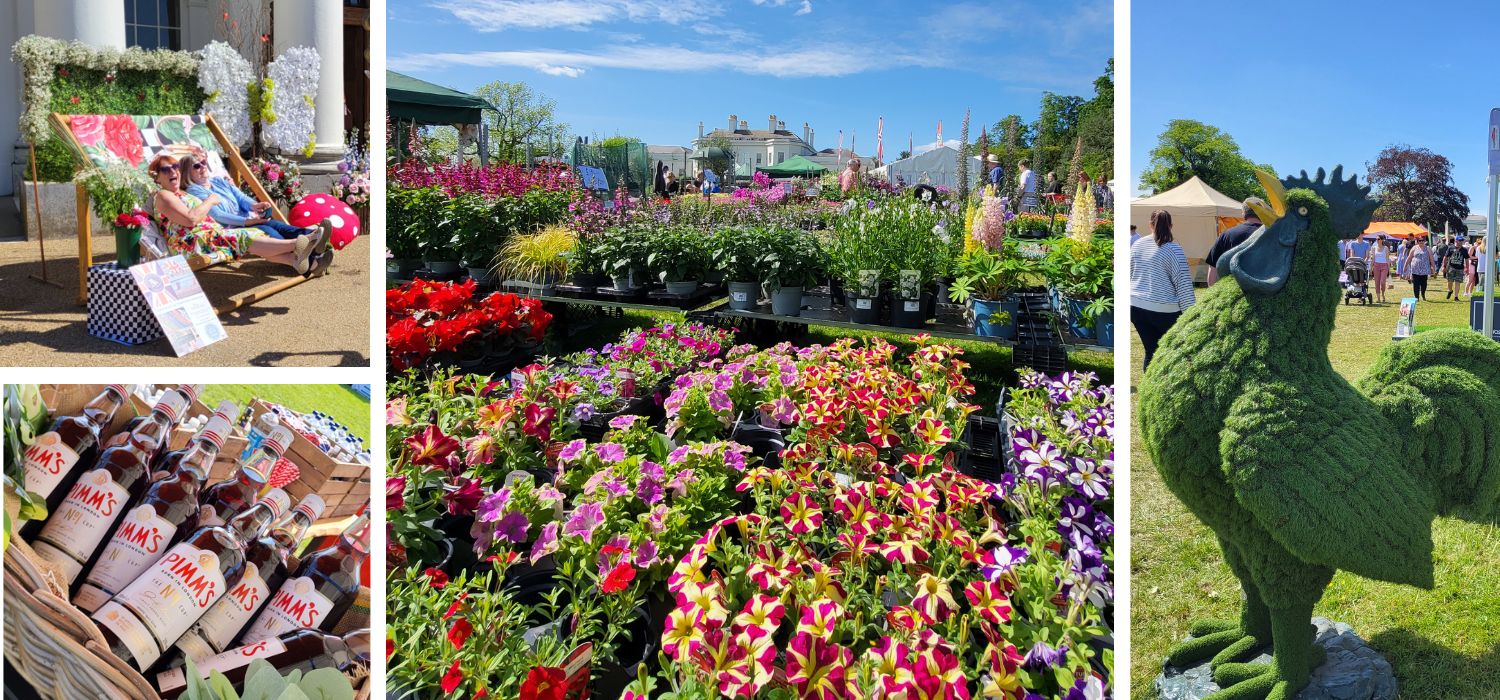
<point>438,577</point>
<point>545,683</point>
<point>425,318</point>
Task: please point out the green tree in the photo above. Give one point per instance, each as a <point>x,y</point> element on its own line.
<point>1189,148</point>
<point>524,116</point>
<point>1096,125</point>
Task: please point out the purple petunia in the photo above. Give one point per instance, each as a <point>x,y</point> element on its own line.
<point>719,402</point>
<point>1043,658</point>
<point>585,519</point>
<point>546,543</point>
<point>646,553</point>
<point>493,506</point>
<point>583,412</point>
<point>571,450</point>
<point>610,452</point>
<point>512,528</point>
<point>623,422</point>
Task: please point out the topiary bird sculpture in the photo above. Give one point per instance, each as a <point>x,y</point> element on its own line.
<point>1298,472</point>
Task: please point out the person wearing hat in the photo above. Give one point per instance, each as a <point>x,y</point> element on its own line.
<point>996,174</point>
<point>1232,237</point>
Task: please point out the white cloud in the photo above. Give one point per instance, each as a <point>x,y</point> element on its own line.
<point>804,10</point>
<point>499,15</point>
<point>833,61</point>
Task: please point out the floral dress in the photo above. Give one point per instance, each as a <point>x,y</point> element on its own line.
<point>209,238</point>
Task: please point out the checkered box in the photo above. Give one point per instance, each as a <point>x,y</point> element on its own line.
<point>117,309</point>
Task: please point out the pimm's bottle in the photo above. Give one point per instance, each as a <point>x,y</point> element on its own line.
<point>69,447</point>
<point>229,497</point>
<point>320,590</point>
<point>189,394</point>
<point>167,512</point>
<point>167,463</point>
<point>99,498</point>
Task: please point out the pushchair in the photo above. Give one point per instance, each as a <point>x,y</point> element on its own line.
<point>1356,280</point>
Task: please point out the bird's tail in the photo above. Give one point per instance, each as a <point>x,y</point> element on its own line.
<point>1441,390</point>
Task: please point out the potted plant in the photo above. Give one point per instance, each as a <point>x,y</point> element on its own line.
<point>536,261</point>
<point>1081,272</point>
<point>464,221</point>
<point>622,254</point>
<point>584,265</point>
<point>985,282</point>
<point>409,215</point>
<point>790,262</point>
<point>856,258</point>
<point>736,254</point>
<point>678,257</point>
<point>117,192</point>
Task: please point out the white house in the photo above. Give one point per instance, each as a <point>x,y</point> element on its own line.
<point>769,146</point>
<point>338,29</point>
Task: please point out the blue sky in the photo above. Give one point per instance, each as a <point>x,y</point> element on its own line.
<point>1309,84</point>
<point>655,68</point>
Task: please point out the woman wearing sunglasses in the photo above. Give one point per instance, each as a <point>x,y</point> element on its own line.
<point>189,228</point>
<point>235,208</point>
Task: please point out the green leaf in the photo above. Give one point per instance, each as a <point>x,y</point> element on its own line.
<point>326,684</point>
<point>203,137</point>
<point>263,682</point>
<point>172,131</point>
<point>292,692</point>
<point>222,688</point>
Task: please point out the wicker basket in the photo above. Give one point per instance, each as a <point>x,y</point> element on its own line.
<point>55,646</point>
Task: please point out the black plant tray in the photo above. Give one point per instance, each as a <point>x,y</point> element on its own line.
<point>690,300</point>
<point>635,292</point>
<point>1044,359</point>
<point>982,458</point>
<point>439,276</point>
<point>594,428</point>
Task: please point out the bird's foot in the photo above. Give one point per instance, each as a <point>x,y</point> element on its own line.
<point>1260,681</point>
<point>1222,641</point>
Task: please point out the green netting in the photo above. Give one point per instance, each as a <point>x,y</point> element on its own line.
<point>628,163</point>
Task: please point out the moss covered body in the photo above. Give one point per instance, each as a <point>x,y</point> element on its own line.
<point>1296,471</point>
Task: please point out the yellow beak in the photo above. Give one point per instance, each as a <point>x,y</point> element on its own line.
<point>1275,193</point>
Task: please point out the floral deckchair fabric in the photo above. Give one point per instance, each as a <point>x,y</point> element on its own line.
<point>135,139</point>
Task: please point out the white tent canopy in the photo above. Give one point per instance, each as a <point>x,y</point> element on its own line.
<point>938,166</point>
<point>1195,208</point>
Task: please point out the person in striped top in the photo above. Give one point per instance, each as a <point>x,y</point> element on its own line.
<point>1161,286</point>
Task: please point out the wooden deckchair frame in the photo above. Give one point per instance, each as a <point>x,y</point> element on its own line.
<point>238,170</point>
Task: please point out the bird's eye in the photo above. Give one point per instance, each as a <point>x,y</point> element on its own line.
<point>1302,211</point>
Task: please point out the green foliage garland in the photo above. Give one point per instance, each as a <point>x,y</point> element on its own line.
<point>76,78</point>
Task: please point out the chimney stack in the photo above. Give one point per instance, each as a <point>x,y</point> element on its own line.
<point>773,123</point>
<point>811,133</point>
<point>733,119</point>
<point>700,129</point>
<point>744,125</point>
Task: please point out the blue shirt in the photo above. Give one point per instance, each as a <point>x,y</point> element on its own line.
<point>234,206</point>
<point>996,176</point>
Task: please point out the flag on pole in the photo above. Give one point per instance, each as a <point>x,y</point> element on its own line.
<point>940,132</point>
<point>854,134</point>
<point>911,148</point>
<point>840,151</point>
<point>880,139</point>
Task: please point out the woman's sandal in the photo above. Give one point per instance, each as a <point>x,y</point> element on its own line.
<point>320,265</point>
<point>302,254</point>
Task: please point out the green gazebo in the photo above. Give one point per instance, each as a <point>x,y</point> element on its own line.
<point>413,102</point>
<point>796,166</point>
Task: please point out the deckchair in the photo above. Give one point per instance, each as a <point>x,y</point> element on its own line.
<point>154,135</point>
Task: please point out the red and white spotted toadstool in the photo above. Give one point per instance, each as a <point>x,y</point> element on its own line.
<point>314,208</point>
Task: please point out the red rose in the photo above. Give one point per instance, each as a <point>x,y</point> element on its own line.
<point>87,128</point>
<point>452,678</point>
<point>545,683</point>
<point>123,139</point>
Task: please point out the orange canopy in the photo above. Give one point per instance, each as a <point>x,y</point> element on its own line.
<point>1395,229</point>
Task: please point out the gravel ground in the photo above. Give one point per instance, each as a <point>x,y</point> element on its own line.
<point>323,322</point>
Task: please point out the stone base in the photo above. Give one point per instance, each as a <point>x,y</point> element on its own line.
<point>59,211</point>
<point>1353,671</point>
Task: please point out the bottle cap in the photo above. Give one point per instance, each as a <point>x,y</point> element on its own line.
<point>228,409</point>
<point>312,506</point>
<point>171,405</point>
<point>191,391</point>
<point>278,440</point>
<point>216,430</point>
<point>277,501</point>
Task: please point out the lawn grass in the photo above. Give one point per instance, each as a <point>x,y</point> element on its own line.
<point>1443,643</point>
<point>991,367</point>
<point>336,400</point>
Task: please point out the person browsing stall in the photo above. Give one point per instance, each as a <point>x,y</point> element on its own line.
<point>1232,237</point>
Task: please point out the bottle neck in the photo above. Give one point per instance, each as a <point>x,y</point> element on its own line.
<point>153,430</point>
<point>101,410</point>
<point>294,528</point>
<point>200,455</point>
<point>251,523</point>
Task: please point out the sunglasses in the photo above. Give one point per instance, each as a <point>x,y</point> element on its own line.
<point>199,166</point>
<point>166,169</point>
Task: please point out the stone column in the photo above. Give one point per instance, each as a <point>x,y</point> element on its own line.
<point>319,24</point>
<point>97,22</point>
